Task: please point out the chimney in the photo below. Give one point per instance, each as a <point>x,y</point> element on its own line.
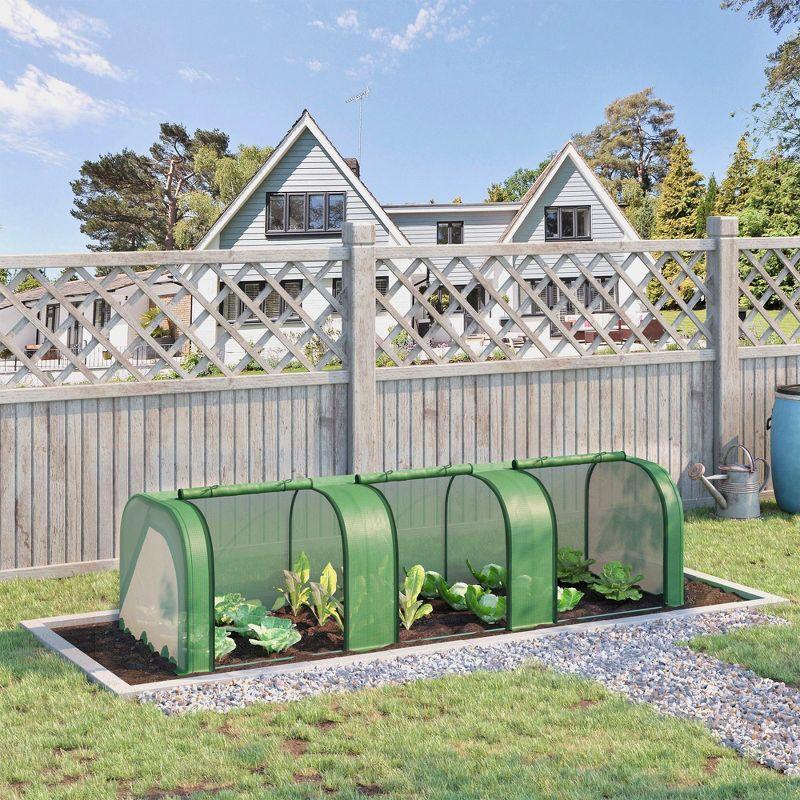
<point>353,164</point>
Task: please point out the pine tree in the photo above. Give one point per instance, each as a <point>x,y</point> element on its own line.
<point>706,207</point>
<point>681,193</point>
<point>734,190</point>
<point>676,213</point>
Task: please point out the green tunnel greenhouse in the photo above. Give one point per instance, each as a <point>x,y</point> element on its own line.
<point>178,550</point>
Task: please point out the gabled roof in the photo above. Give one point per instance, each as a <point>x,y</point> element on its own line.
<point>304,123</point>
<point>568,151</point>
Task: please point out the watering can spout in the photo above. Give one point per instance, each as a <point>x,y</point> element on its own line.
<point>697,472</point>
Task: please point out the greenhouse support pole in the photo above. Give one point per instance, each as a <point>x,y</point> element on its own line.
<point>723,313</point>
<point>358,274</point>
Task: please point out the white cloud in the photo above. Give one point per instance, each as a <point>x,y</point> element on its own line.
<point>348,20</point>
<point>433,19</point>
<point>317,23</point>
<point>38,102</point>
<point>193,74</point>
<point>315,65</point>
<point>28,25</point>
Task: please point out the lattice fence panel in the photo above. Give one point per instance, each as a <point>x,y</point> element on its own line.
<point>168,321</point>
<point>445,310</point>
<point>769,292</point>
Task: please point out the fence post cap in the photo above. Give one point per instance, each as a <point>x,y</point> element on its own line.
<point>358,233</point>
<point>722,226</point>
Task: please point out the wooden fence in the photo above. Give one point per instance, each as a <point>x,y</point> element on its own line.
<point>461,353</point>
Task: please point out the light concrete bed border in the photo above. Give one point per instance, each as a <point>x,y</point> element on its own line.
<point>46,631</point>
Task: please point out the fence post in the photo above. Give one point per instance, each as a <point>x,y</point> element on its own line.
<point>723,314</point>
<point>358,274</point>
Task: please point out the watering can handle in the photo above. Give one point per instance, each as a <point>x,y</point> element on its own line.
<point>766,474</point>
<point>746,452</point>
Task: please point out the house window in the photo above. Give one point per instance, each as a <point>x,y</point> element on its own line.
<point>567,222</point>
<point>272,306</point>
<point>449,233</point>
<point>101,313</point>
<point>305,212</point>
<point>586,294</point>
<point>50,321</point>
<point>381,284</point>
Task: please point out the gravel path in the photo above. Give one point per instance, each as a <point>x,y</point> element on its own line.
<point>646,662</point>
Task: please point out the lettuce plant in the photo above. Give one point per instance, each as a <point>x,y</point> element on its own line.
<point>244,616</point>
<point>490,576</point>
<point>573,567</point>
<point>568,599</point>
<point>617,583</point>
<point>486,606</point>
<point>275,634</point>
<point>411,608</point>
<point>323,602</point>
<point>229,605</point>
<point>295,590</point>
<point>223,643</point>
<point>453,595</point>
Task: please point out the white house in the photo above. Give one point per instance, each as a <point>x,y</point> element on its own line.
<point>306,190</point>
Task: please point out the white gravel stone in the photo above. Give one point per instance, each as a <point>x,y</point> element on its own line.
<point>647,662</point>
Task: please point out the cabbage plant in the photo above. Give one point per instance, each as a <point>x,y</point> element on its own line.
<point>490,576</point>
<point>573,567</point>
<point>230,605</point>
<point>568,598</point>
<point>453,595</point>
<point>486,606</point>
<point>275,634</point>
<point>411,608</point>
<point>244,616</point>
<point>223,643</point>
<point>617,583</point>
<point>430,586</point>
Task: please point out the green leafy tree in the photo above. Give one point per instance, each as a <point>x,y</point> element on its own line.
<point>225,177</point>
<point>735,188</point>
<point>633,141</point>
<point>638,206</point>
<point>517,183</point>
<point>706,207</point>
<point>777,12</point>
<point>134,201</point>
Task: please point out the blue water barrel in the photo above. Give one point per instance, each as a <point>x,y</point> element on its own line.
<point>785,445</point>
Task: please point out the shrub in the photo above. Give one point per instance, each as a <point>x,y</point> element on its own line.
<point>617,583</point>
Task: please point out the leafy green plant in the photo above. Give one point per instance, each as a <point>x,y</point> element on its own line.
<point>617,583</point>
<point>275,634</point>
<point>295,589</point>
<point>223,643</point>
<point>323,603</point>
<point>231,605</point>
<point>568,598</point>
<point>490,576</point>
<point>453,595</point>
<point>573,567</point>
<point>486,606</point>
<point>411,607</point>
<point>430,586</point>
<point>246,615</point>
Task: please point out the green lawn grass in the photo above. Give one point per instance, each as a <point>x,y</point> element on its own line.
<point>527,734</point>
<point>763,553</point>
<point>788,324</point>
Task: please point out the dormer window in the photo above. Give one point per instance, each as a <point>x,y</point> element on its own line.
<point>449,233</point>
<point>303,213</point>
<point>567,223</point>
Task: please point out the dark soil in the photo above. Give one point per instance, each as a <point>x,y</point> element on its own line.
<point>133,661</point>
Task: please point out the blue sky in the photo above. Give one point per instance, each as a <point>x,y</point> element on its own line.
<point>462,91</point>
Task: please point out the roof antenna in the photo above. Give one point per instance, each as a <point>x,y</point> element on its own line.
<point>360,97</point>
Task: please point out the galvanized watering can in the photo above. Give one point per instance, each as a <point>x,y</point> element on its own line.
<point>737,497</point>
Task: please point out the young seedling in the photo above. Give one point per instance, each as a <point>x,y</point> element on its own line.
<point>411,607</point>
<point>295,590</point>
<point>486,606</point>
<point>617,583</point>
<point>568,599</point>
<point>275,634</point>
<point>490,576</point>
<point>323,602</point>
<point>573,567</point>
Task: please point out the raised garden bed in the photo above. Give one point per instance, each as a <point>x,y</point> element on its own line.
<point>136,664</point>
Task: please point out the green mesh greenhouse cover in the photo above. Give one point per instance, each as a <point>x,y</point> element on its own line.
<point>178,550</point>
